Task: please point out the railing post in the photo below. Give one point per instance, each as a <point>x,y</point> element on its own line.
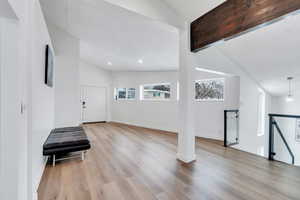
<point>271,138</point>
<point>225,128</point>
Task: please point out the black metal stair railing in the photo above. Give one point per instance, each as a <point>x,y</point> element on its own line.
<point>273,124</point>
<point>228,143</point>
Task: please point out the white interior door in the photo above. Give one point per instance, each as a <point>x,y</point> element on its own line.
<point>93,104</point>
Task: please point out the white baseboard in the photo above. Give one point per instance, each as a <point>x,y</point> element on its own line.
<point>38,179</point>
<point>141,125</point>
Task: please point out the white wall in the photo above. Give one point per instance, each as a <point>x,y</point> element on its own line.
<point>6,10</point>
<point>10,101</point>
<point>209,115</point>
<point>151,114</point>
<point>42,96</point>
<point>164,114</point>
<point>287,126</point>
<point>280,106</point>
<point>250,141</point>
<point>67,92</point>
<point>215,58</point>
<point>24,47</point>
<point>91,75</point>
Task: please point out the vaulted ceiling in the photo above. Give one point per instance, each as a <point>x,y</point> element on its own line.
<point>109,33</point>
<point>114,38</point>
<point>269,54</point>
<point>193,9</point>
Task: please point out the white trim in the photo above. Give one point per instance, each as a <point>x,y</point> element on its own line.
<point>159,100</point>
<point>210,100</point>
<point>167,83</point>
<point>144,126</point>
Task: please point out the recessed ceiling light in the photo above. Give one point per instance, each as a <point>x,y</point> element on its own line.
<point>109,63</point>
<point>140,61</point>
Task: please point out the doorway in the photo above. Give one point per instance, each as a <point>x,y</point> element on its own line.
<point>93,104</point>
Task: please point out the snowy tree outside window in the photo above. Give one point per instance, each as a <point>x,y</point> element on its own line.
<point>209,90</point>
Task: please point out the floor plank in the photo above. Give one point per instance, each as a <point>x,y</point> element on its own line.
<point>134,163</point>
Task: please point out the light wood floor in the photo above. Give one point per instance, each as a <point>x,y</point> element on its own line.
<point>130,163</point>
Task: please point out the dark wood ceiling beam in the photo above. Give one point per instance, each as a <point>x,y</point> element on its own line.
<point>235,17</point>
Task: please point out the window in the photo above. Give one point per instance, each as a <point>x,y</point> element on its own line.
<point>131,93</point>
<point>178,91</point>
<point>161,91</point>
<point>209,90</point>
<point>124,93</point>
<point>121,93</point>
<point>261,112</point>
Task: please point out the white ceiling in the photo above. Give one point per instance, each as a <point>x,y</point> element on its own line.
<point>193,9</point>
<point>269,54</point>
<point>109,33</point>
<point>6,10</point>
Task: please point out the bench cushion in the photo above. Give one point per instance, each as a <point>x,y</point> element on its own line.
<point>67,129</point>
<point>66,149</point>
<point>63,140</point>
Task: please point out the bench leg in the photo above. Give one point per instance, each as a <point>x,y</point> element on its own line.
<point>82,156</point>
<point>53,160</point>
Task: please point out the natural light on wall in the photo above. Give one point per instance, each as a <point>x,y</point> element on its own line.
<point>178,91</point>
<point>211,71</point>
<point>261,112</point>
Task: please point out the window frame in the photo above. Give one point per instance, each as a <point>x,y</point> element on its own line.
<point>127,97</point>
<point>261,112</point>
<point>116,94</point>
<point>152,84</point>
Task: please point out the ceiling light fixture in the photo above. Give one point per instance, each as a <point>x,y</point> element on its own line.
<point>290,97</point>
<point>140,61</point>
<point>109,63</point>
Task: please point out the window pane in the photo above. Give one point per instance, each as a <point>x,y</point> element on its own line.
<point>131,93</point>
<point>121,93</point>
<point>157,91</point>
<point>210,90</point>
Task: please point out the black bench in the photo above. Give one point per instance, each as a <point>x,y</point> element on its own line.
<point>66,140</point>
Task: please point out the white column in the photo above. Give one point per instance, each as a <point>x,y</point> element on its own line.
<point>186,136</point>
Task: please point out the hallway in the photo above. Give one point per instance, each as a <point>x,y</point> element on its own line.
<point>133,163</point>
